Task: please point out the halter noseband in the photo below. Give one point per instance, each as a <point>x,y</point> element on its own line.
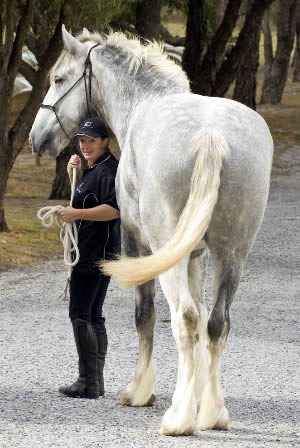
<point>88,90</point>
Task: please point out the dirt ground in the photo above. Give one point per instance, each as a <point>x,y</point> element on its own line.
<point>260,369</point>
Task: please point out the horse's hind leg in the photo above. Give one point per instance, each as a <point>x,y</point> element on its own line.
<point>197,270</point>
<point>213,413</point>
<point>191,339</point>
<point>140,391</point>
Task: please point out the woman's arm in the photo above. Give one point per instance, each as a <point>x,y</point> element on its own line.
<point>102,212</point>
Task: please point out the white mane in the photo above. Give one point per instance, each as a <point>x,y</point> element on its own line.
<point>151,56</point>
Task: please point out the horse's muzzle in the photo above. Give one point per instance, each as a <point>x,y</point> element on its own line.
<point>41,145</point>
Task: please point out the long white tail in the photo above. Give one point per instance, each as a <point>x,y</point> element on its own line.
<point>211,149</point>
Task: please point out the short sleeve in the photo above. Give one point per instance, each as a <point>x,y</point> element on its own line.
<point>107,191</point>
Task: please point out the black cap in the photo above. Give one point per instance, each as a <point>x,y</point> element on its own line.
<point>92,127</point>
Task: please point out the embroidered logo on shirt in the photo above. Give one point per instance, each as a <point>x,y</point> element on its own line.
<point>79,187</point>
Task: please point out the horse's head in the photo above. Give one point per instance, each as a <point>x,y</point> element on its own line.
<point>67,102</point>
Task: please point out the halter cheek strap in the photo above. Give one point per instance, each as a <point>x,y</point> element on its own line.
<point>88,90</point>
<point>87,86</point>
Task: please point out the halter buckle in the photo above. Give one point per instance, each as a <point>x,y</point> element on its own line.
<point>47,106</point>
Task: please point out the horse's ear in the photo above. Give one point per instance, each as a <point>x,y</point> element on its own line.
<point>71,44</point>
<point>85,33</point>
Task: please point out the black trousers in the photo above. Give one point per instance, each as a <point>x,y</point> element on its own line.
<point>87,294</point>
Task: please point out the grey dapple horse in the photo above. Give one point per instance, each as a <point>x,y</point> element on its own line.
<point>193,176</point>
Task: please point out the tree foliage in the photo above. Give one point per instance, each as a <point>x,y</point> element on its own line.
<point>95,14</point>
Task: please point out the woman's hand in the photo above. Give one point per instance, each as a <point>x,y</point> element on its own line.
<point>68,214</point>
<point>75,160</point>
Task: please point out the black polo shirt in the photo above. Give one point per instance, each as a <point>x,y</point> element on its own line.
<point>97,240</point>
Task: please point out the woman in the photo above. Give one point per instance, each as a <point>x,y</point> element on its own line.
<point>96,213</point>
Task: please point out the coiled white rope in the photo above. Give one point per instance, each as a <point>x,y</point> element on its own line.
<point>68,230</point>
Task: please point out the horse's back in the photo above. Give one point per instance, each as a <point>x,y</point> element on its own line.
<point>163,132</point>
<point>167,125</point>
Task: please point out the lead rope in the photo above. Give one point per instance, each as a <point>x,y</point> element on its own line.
<point>68,231</point>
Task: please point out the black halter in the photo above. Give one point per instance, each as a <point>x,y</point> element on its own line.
<point>88,90</point>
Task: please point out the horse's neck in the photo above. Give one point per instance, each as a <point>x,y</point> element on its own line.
<point>119,91</point>
<point>115,105</point>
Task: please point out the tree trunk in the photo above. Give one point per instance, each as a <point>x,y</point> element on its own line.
<point>245,80</point>
<point>275,80</point>
<point>61,188</point>
<point>148,18</point>
<point>202,74</point>
<point>4,173</point>
<point>11,43</point>
<point>194,40</point>
<point>268,44</point>
<point>227,72</point>
<point>296,65</point>
<point>6,163</point>
<point>219,11</point>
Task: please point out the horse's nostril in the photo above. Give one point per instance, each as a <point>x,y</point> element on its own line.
<point>37,147</point>
<point>43,147</point>
<point>45,144</point>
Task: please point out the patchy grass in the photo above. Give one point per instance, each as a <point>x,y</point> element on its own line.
<point>283,120</point>
<point>28,180</point>
<point>28,189</point>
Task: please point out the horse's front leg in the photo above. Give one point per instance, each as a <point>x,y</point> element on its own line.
<point>140,391</point>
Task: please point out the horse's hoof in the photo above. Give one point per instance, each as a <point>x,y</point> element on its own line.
<point>151,401</point>
<point>126,400</point>
<point>174,423</point>
<point>223,422</point>
<point>165,431</point>
<point>222,426</point>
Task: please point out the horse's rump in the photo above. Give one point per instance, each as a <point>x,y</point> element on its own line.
<point>210,149</point>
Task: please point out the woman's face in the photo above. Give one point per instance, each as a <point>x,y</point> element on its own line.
<point>92,148</point>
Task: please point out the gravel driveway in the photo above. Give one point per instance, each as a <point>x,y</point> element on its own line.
<point>261,364</point>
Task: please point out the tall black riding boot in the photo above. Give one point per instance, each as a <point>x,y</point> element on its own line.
<point>86,343</point>
<point>101,335</point>
<point>77,388</point>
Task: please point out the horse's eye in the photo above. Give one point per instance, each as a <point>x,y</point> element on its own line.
<point>58,79</point>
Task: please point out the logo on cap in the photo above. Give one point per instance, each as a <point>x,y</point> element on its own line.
<point>88,124</point>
